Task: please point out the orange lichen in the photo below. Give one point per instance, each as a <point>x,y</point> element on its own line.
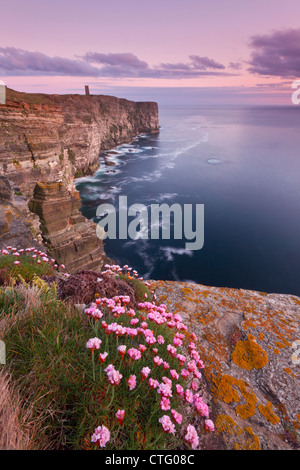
<point>280,345</point>
<point>269,413</point>
<point>249,355</point>
<point>225,423</point>
<point>246,410</point>
<point>252,443</point>
<point>225,390</point>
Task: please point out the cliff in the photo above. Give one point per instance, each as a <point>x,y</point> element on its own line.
<point>47,140</point>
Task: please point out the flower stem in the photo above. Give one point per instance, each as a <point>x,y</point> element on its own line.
<point>93,363</point>
<point>112,398</point>
<point>156,440</point>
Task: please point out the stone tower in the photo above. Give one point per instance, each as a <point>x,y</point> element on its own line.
<point>87,90</point>
<point>2,92</point>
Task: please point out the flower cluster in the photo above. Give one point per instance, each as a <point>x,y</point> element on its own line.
<point>113,375</point>
<point>33,253</point>
<point>156,354</point>
<point>101,436</point>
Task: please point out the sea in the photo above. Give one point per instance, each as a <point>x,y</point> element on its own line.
<point>241,165</point>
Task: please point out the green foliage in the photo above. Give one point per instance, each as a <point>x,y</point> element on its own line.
<point>139,287</point>
<point>71,156</point>
<point>27,268</point>
<point>45,340</point>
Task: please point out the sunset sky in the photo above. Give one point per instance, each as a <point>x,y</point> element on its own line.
<point>190,51</point>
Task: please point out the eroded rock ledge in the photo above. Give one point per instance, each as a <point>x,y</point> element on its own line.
<point>252,368</point>
<point>47,139</point>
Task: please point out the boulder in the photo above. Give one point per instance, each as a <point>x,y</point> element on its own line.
<point>249,343</point>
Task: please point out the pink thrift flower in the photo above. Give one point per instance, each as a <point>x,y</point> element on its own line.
<point>145,372</point>
<point>191,436</point>
<point>160,339</point>
<point>102,357</point>
<point>165,404</point>
<point>122,350</point>
<point>191,365</point>
<point>120,414</point>
<point>200,407</point>
<point>131,313</point>
<point>165,390</point>
<point>188,395</point>
<point>142,348</point>
<point>194,385</point>
<point>185,373</point>
<point>153,383</point>
<point>177,342</point>
<point>179,390</point>
<point>176,416</point>
<point>101,436</point>
<point>181,359</point>
<point>157,360</point>
<point>174,374</point>
<point>113,375</point>
<point>135,354</point>
<point>167,424</point>
<point>197,374</point>
<point>132,382</point>
<point>167,381</point>
<point>209,425</point>
<point>17,262</point>
<point>166,365</point>
<point>93,343</point>
<point>97,314</point>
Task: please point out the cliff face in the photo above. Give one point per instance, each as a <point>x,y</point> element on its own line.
<point>53,138</point>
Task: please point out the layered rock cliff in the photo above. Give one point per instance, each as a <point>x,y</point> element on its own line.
<point>46,141</point>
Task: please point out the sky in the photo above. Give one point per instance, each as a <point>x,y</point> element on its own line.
<point>170,51</point>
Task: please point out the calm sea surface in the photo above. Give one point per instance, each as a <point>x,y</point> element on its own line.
<point>243,164</point>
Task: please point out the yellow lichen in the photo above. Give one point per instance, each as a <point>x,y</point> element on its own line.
<point>269,413</point>
<point>226,392</point>
<point>280,345</point>
<point>251,443</point>
<point>249,355</point>
<point>246,410</point>
<point>224,423</point>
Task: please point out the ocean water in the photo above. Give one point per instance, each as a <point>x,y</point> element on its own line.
<point>243,165</point>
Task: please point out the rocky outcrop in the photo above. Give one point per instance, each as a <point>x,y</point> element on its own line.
<point>250,344</point>
<point>48,139</point>
<point>68,237</point>
<point>15,227</point>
